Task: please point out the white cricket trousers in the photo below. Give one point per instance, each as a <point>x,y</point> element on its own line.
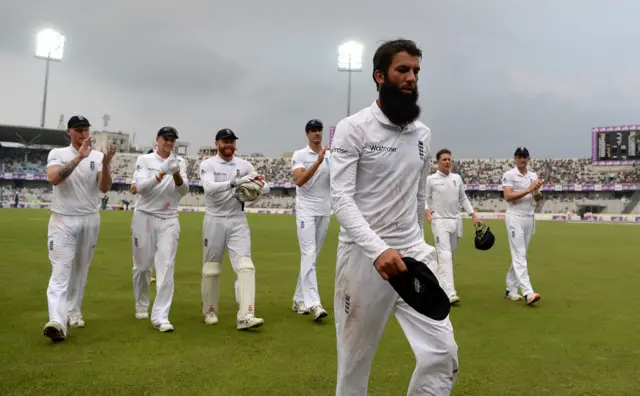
<point>233,233</point>
<point>154,241</point>
<point>363,304</point>
<point>446,233</point>
<point>71,242</point>
<point>312,231</point>
<point>520,230</point>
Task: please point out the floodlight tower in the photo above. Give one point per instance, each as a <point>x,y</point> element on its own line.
<point>50,47</point>
<point>350,60</point>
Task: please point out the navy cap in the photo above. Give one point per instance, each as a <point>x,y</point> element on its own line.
<point>168,131</point>
<point>78,122</point>
<point>420,288</point>
<point>521,151</point>
<point>315,123</point>
<point>225,134</point>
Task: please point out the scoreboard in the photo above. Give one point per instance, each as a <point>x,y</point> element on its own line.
<point>617,145</point>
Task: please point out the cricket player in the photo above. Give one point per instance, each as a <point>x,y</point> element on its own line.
<point>78,174</point>
<point>313,211</point>
<point>225,226</point>
<point>445,194</point>
<point>378,168</point>
<point>132,189</point>
<point>161,181</point>
<point>521,189</point>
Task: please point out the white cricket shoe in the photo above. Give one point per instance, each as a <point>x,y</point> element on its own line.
<point>53,330</point>
<point>512,296</point>
<point>532,298</point>
<point>163,327</point>
<point>249,322</point>
<point>210,318</point>
<point>142,315</point>
<point>318,312</point>
<point>299,308</point>
<point>453,300</point>
<point>76,321</point>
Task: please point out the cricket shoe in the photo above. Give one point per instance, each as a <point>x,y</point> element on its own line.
<point>53,330</point>
<point>299,308</point>
<point>512,296</point>
<point>142,315</point>
<point>318,312</point>
<point>76,321</point>
<point>453,300</point>
<point>163,327</point>
<point>532,298</point>
<point>211,318</point>
<point>250,322</point>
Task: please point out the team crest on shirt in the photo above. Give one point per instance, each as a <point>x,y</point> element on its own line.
<point>237,172</point>
<point>455,184</point>
<point>421,149</point>
<point>92,165</point>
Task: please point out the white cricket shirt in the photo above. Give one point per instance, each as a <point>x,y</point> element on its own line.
<point>158,198</point>
<point>445,194</point>
<point>216,175</point>
<point>314,197</point>
<point>378,179</point>
<point>78,194</point>
<point>526,205</point>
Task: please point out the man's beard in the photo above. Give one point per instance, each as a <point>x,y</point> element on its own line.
<point>399,107</point>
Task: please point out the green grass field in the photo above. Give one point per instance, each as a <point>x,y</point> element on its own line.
<point>582,339</point>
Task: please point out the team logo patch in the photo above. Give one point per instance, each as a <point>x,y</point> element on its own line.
<point>347,304</point>
<point>237,172</point>
<point>50,245</point>
<point>206,242</point>
<point>92,165</point>
<point>421,149</point>
<point>302,225</point>
<point>135,242</point>
<point>437,239</point>
<point>455,184</point>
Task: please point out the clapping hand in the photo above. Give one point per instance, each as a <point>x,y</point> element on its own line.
<point>321,153</point>
<point>170,166</point>
<point>108,156</point>
<point>85,148</point>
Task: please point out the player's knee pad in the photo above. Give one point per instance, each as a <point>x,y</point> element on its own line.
<point>211,269</point>
<point>245,264</point>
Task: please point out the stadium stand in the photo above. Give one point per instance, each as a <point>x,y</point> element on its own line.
<point>571,184</point>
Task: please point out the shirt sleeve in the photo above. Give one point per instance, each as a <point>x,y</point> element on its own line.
<point>422,184</point>
<point>183,189</point>
<point>429,194</point>
<point>507,180</point>
<point>142,178</point>
<point>209,184</point>
<point>53,159</point>
<point>345,155</point>
<point>463,199</point>
<point>296,161</point>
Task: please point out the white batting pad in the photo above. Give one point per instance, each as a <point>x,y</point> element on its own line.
<point>210,286</point>
<point>246,287</point>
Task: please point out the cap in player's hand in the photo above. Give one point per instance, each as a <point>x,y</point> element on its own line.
<point>420,288</point>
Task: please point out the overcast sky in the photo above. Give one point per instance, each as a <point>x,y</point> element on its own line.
<point>496,74</point>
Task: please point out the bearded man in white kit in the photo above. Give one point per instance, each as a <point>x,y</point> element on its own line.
<point>379,166</point>
<point>78,175</point>
<point>225,226</point>
<point>160,181</point>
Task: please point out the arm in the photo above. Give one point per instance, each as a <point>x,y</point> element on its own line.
<point>143,179</point>
<point>104,177</point>
<point>209,185</point>
<point>181,181</point>
<point>345,155</point>
<point>507,188</point>
<point>56,171</point>
<point>300,175</point>
<point>422,190</point>
<point>466,204</point>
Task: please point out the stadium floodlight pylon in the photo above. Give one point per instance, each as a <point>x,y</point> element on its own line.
<point>49,47</point>
<point>350,60</point>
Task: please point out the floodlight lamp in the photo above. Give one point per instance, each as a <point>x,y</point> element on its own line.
<point>50,45</point>
<point>350,56</point>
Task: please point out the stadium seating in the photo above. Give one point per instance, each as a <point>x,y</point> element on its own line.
<point>564,171</point>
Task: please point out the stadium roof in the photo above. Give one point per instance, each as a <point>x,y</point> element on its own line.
<point>33,135</point>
